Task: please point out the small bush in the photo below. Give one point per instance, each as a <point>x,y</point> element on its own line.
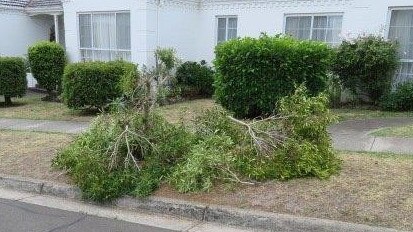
<point>95,84</point>
<point>254,74</point>
<point>401,99</point>
<point>195,79</point>
<point>47,62</point>
<point>13,82</point>
<point>366,66</point>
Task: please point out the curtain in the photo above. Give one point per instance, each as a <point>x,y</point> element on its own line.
<point>105,36</point>
<point>298,27</point>
<point>222,29</point>
<point>401,30</point>
<point>232,28</point>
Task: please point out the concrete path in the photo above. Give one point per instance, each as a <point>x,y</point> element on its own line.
<point>354,135</point>
<point>44,125</point>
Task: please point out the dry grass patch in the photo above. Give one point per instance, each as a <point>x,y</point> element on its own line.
<point>371,189</point>
<point>186,111</point>
<point>32,107</point>
<point>29,154</point>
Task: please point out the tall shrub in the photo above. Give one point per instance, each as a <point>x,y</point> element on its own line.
<point>253,74</point>
<point>366,66</point>
<point>95,84</point>
<point>47,62</point>
<point>13,82</point>
<point>401,99</point>
<point>195,79</point>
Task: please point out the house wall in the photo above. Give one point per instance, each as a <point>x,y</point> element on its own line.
<point>189,26</point>
<point>141,34</point>
<point>19,31</point>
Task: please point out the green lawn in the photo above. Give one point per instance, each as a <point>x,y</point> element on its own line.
<point>360,113</point>
<point>32,107</point>
<point>400,132</point>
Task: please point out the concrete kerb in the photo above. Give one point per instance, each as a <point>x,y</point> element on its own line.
<point>201,212</point>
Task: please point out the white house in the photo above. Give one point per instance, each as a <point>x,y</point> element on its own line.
<point>132,29</point>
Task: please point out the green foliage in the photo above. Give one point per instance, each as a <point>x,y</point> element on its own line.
<point>103,176</point>
<point>47,62</point>
<point>253,74</point>
<point>166,57</point>
<point>95,84</point>
<point>207,161</point>
<point>13,82</point>
<point>366,66</point>
<point>195,79</point>
<point>401,99</point>
<point>308,150</point>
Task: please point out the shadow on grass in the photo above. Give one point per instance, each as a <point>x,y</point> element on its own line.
<point>13,104</point>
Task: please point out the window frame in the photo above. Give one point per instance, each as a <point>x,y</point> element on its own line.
<point>313,15</point>
<point>226,17</point>
<point>92,48</point>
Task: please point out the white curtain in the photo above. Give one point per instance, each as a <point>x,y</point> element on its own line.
<point>105,36</point>
<point>298,27</point>
<point>222,29</point>
<point>401,30</point>
<point>232,28</point>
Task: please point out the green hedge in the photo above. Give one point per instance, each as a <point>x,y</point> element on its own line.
<point>95,84</point>
<point>195,79</point>
<point>401,99</point>
<point>47,62</point>
<point>13,82</point>
<point>366,66</point>
<point>253,74</point>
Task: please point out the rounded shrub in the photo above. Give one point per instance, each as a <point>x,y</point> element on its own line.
<point>401,99</point>
<point>95,84</point>
<point>47,62</point>
<point>195,79</point>
<point>13,82</point>
<point>366,66</point>
<point>253,74</point>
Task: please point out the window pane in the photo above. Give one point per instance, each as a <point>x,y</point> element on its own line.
<point>222,29</point>
<point>319,35</point>
<point>232,23</point>
<point>320,22</point>
<point>85,30</point>
<point>104,31</point>
<point>401,30</point>
<point>232,34</point>
<point>123,31</point>
<point>298,27</point>
<point>335,22</point>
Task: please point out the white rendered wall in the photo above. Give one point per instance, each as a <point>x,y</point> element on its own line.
<point>19,31</point>
<point>139,30</point>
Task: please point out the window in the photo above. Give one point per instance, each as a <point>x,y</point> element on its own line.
<point>326,28</point>
<point>105,36</point>
<point>227,28</point>
<point>401,30</point>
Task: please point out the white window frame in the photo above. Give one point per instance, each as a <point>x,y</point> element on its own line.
<point>91,13</point>
<point>387,30</point>
<point>312,15</point>
<point>226,17</point>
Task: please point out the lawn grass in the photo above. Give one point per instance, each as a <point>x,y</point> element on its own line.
<point>371,188</point>
<point>366,113</point>
<point>29,154</point>
<point>32,107</point>
<point>399,132</point>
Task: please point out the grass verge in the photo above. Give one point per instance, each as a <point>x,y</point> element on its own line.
<point>399,132</point>
<point>372,188</point>
<point>29,154</point>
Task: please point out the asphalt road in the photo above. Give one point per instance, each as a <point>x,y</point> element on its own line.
<point>22,217</point>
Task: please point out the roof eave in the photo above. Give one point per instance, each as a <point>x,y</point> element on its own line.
<point>50,10</point>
